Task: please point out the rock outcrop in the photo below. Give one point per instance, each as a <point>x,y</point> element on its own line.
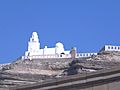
<point>21,72</point>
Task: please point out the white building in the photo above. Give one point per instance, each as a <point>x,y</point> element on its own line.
<point>110,48</point>
<point>82,55</point>
<point>34,50</point>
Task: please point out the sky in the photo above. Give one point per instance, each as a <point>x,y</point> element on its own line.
<point>87,25</point>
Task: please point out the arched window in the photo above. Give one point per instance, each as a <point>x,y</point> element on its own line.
<point>80,54</point>
<point>111,47</point>
<point>118,47</point>
<point>83,54</point>
<point>108,47</point>
<point>86,54</point>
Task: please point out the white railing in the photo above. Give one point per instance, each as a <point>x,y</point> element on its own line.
<point>46,56</point>
<point>79,55</point>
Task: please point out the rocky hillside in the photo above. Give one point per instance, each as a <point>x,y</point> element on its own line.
<point>31,71</point>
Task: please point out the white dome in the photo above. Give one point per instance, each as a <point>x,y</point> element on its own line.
<point>59,45</point>
<point>59,48</point>
<point>34,34</point>
<point>34,37</point>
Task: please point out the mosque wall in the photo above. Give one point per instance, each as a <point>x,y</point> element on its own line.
<point>34,50</point>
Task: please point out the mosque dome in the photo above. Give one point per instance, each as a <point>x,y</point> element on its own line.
<point>34,37</point>
<point>59,48</point>
<point>34,34</point>
<point>59,45</point>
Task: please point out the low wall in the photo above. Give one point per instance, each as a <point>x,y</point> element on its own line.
<point>46,56</point>
<point>79,55</point>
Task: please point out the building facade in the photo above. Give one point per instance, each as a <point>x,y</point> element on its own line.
<point>36,52</point>
<point>80,55</point>
<point>110,48</point>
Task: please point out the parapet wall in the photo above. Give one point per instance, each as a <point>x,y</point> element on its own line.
<point>74,54</point>
<point>112,48</point>
<point>46,56</point>
<point>79,55</point>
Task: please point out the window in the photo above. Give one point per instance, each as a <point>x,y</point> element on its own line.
<point>115,48</point>
<point>118,47</point>
<point>80,54</point>
<point>111,47</point>
<point>83,54</point>
<point>108,47</point>
<point>86,54</point>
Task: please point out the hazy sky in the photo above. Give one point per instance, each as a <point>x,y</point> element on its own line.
<point>85,24</point>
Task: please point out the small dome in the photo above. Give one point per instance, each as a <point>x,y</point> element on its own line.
<point>34,34</point>
<point>34,37</point>
<point>60,45</point>
<point>59,48</point>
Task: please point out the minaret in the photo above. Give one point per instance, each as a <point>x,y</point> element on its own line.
<point>33,44</point>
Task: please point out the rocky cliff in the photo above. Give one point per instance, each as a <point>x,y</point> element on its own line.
<point>22,72</point>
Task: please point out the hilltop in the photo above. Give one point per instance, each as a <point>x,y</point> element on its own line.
<point>27,71</point>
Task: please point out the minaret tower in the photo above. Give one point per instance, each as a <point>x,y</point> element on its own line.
<point>33,45</point>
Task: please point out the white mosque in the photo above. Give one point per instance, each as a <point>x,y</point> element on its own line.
<point>35,52</point>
